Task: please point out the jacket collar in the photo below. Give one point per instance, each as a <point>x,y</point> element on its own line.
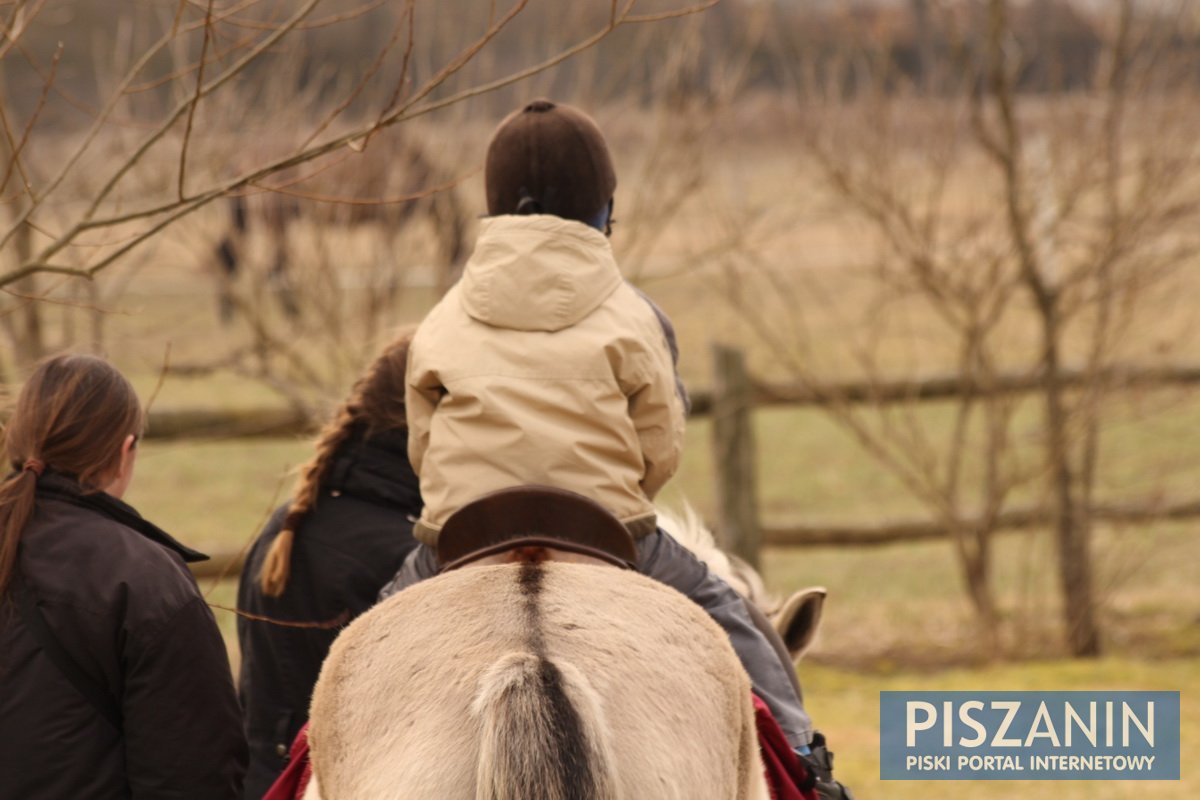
<point>537,273</point>
<point>58,486</point>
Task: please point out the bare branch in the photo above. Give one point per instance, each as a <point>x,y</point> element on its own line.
<point>191,114</point>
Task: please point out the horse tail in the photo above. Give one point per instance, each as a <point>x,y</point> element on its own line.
<point>543,733</point>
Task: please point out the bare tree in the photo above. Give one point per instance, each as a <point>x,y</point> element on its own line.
<point>992,212</point>
<point>1127,210</point>
<point>141,164</point>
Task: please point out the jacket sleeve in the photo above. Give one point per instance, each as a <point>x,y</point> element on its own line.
<point>657,412</point>
<point>183,727</point>
<point>673,345</point>
<point>422,391</point>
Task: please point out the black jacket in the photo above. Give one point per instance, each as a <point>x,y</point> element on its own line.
<point>345,550</point>
<point>115,593</point>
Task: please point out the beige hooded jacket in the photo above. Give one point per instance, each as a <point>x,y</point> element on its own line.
<point>542,366</point>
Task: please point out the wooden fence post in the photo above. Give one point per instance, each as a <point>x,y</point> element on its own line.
<point>734,456</point>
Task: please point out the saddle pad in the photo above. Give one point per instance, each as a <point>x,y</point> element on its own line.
<point>293,781</point>
<point>785,772</point>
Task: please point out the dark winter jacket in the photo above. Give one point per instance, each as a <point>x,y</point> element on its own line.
<point>114,592</point>
<point>346,548</point>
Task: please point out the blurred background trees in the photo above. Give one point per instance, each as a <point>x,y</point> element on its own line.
<point>863,196</point>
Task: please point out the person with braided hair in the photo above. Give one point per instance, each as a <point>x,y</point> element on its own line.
<point>322,558</point>
<point>114,680</point>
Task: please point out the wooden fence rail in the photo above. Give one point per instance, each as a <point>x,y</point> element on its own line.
<point>734,394</point>
<point>867,535</point>
<point>899,531</point>
<point>174,424</point>
<point>943,387</point>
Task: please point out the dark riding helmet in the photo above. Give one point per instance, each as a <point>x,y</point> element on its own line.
<point>549,159</point>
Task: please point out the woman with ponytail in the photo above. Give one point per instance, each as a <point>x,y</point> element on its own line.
<point>114,681</point>
<point>323,557</point>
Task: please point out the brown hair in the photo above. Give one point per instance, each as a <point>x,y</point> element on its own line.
<point>72,416</point>
<point>375,405</point>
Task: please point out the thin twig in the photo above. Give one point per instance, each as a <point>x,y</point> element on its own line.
<point>408,111</point>
<point>45,297</point>
<point>323,22</point>
<point>353,94</point>
<point>19,147</point>
<point>162,379</point>
<point>374,201</point>
<point>191,115</point>
<point>97,125</point>
<point>339,621</point>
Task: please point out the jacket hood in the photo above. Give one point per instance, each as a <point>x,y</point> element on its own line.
<point>377,470</point>
<point>537,273</point>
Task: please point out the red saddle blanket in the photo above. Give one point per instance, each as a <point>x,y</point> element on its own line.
<point>785,772</point>
<point>291,784</point>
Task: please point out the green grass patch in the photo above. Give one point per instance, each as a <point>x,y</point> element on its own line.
<point>214,495</point>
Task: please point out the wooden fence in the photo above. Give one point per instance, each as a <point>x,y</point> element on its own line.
<point>735,395</point>
<point>730,403</point>
<point>273,422</point>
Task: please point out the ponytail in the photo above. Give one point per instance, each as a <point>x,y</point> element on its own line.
<point>376,403</point>
<point>17,494</point>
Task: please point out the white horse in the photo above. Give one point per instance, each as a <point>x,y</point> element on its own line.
<point>534,681</point>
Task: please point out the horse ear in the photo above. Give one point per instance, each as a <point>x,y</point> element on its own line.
<point>798,619</point>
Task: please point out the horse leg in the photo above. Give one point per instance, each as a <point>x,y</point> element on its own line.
<point>279,279</point>
<point>228,250</point>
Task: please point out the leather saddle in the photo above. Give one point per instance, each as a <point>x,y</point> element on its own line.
<point>538,518</point>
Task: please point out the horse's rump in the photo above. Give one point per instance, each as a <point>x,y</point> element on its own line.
<point>502,681</point>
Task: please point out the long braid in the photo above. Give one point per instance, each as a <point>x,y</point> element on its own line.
<point>277,566</point>
<point>376,402</point>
